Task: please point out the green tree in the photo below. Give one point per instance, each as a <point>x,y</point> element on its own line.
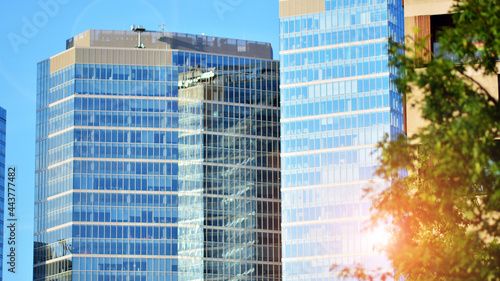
<point>445,213</point>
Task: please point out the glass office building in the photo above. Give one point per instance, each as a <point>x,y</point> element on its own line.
<point>108,185</point>
<point>229,207</point>
<point>337,102</point>
<point>3,131</point>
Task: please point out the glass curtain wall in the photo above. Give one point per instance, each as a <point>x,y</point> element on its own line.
<point>337,102</point>
<point>106,173</point>
<point>229,226</point>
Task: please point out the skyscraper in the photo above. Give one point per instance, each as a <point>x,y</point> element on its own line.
<point>337,102</point>
<point>3,130</point>
<point>117,161</point>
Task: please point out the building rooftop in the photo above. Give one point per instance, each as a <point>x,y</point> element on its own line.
<point>158,40</point>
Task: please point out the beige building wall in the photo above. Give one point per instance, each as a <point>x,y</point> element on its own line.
<point>110,56</point>
<point>413,119</point>
<point>418,14</point>
<point>426,7</point>
<point>290,8</point>
<point>154,40</point>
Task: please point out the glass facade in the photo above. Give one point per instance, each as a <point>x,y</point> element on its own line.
<point>108,185</point>
<point>3,131</point>
<point>106,173</point>
<point>337,102</point>
<point>229,208</point>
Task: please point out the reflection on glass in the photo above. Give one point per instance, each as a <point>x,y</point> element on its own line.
<point>229,170</point>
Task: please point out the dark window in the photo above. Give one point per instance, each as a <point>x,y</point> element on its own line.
<point>439,23</point>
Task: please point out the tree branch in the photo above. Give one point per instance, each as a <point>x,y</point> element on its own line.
<point>484,90</point>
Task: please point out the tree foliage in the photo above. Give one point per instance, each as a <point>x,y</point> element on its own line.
<point>445,213</point>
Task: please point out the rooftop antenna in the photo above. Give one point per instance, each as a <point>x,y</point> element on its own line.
<point>139,29</point>
<point>162,26</point>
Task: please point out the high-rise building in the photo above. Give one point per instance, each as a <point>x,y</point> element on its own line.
<point>3,130</point>
<point>337,102</point>
<point>156,160</point>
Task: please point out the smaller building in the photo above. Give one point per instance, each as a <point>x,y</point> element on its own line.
<point>430,17</point>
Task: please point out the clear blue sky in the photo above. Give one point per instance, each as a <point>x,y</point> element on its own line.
<point>32,31</point>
